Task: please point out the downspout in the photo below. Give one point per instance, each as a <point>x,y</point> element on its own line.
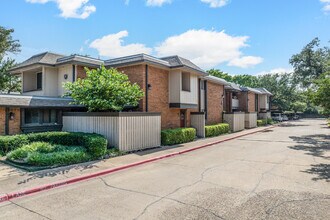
<point>7,121</point>
<point>199,95</point>
<point>146,84</point>
<point>205,98</point>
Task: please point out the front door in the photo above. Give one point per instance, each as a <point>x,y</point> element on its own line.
<point>182,118</point>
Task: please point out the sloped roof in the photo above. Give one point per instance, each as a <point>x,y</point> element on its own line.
<point>176,61</point>
<point>53,59</point>
<point>35,101</point>
<point>217,80</point>
<point>264,91</point>
<point>135,59</point>
<point>233,86</point>
<point>248,89</point>
<point>169,62</point>
<point>46,58</point>
<point>79,59</point>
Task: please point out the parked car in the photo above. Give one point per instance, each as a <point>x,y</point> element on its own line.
<point>277,117</point>
<point>285,118</point>
<point>296,117</point>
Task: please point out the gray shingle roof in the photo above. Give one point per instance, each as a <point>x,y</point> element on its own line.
<point>79,59</point>
<point>46,58</point>
<point>217,80</point>
<point>264,91</point>
<point>170,62</point>
<point>248,89</point>
<point>135,59</point>
<point>35,101</point>
<point>53,59</point>
<point>176,61</point>
<point>233,86</point>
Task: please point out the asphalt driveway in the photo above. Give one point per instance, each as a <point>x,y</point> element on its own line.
<point>283,173</point>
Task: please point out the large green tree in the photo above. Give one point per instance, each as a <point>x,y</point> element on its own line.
<point>104,90</point>
<point>8,82</point>
<point>310,63</point>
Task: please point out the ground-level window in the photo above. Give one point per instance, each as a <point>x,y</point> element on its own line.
<point>41,116</point>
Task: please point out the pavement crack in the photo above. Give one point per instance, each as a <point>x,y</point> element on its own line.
<point>30,210</point>
<point>177,189</point>
<point>127,190</point>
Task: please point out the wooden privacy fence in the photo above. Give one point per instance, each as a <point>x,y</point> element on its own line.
<point>128,131</point>
<point>251,120</point>
<point>198,122</point>
<point>235,120</point>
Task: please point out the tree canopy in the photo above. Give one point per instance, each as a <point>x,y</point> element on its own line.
<point>104,90</point>
<point>8,82</point>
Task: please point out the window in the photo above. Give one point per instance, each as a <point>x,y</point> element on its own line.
<point>39,81</point>
<point>41,116</point>
<point>185,81</point>
<point>31,116</point>
<point>256,103</point>
<point>202,85</point>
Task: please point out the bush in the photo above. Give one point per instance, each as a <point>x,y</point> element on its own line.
<point>270,121</point>
<point>177,136</point>
<point>46,154</point>
<point>95,144</point>
<point>216,130</point>
<point>262,122</point>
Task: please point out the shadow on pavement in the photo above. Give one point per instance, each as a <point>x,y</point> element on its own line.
<point>58,171</point>
<point>318,146</point>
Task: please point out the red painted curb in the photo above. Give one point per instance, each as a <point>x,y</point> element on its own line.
<point>9,196</point>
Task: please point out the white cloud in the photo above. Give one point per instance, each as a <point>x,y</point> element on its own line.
<point>208,48</point>
<point>157,3</point>
<point>326,6</point>
<point>245,61</point>
<point>216,3</point>
<point>279,70</point>
<point>112,46</point>
<point>71,8</point>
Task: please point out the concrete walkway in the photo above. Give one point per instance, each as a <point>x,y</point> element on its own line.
<point>13,179</point>
<point>279,174</point>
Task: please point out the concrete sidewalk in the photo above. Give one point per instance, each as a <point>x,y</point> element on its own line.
<point>13,179</point>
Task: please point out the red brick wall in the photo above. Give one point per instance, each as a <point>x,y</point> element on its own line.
<point>136,74</point>
<point>214,103</point>
<point>14,125</point>
<point>251,102</point>
<point>81,73</point>
<point>2,120</point>
<point>158,95</point>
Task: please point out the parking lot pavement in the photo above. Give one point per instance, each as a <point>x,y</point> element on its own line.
<point>279,174</point>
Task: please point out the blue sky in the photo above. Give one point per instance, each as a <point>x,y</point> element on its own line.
<point>236,36</point>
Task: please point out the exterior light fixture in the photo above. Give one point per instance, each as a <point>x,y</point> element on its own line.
<point>11,116</point>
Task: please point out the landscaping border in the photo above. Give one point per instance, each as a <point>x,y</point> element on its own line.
<point>14,195</point>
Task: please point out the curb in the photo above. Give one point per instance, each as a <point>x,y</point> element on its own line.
<point>14,195</point>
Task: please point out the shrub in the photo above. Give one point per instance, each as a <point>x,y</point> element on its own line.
<point>95,144</point>
<point>262,122</point>
<point>270,121</point>
<point>177,136</point>
<point>216,130</point>
<point>46,154</point>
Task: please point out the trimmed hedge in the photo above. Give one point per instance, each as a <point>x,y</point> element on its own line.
<point>178,136</point>
<point>46,154</point>
<point>216,130</point>
<point>270,121</point>
<point>95,144</point>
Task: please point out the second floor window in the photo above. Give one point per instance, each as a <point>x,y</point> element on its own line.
<point>185,81</point>
<point>39,81</point>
